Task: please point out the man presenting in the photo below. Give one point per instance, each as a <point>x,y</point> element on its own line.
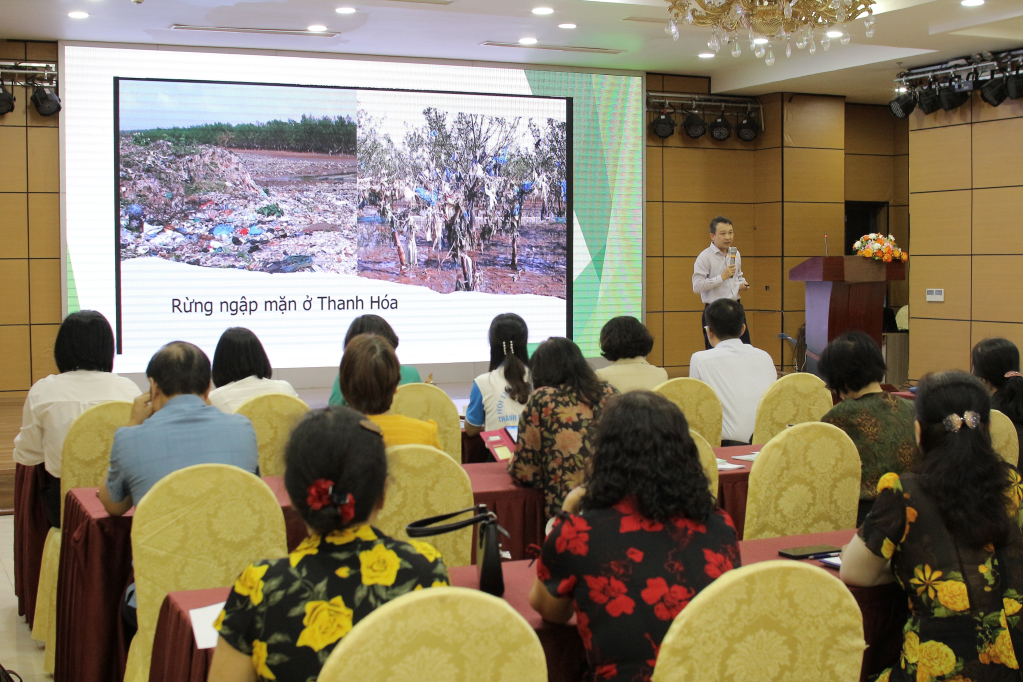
<point>717,272</point>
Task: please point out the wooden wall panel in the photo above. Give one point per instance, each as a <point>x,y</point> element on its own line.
<point>815,175</point>
<point>997,288</point>
<point>997,151</point>
<point>996,330</point>
<point>16,358</point>
<point>14,226</point>
<point>940,119</point>
<point>697,85</point>
<point>998,220</point>
<point>898,224</point>
<point>951,273</point>
<point>868,178</point>
<point>654,174</point>
<point>14,169</point>
<point>770,136</point>
<point>794,296</point>
<point>42,339</point>
<point>937,346</point>
<point>982,111</point>
<point>44,225</point>
<point>765,238</point>
<point>678,285</point>
<point>43,160</point>
<point>764,328</point>
<point>764,278</point>
<point>655,325</point>
<point>711,175</point>
<point>21,101</point>
<point>806,225</point>
<point>940,223</point>
<point>940,159</point>
<point>654,284</point>
<point>687,225</point>
<point>869,129</point>
<point>900,180</point>
<point>654,239</point>
<point>814,121</point>
<point>45,290</point>
<point>767,179</point>
<point>40,50</point>
<point>14,285</point>
<point>683,335</point>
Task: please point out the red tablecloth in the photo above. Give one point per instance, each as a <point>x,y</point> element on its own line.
<point>908,395</point>
<point>175,658</point>
<point>733,484</point>
<point>520,511</point>
<point>30,529</point>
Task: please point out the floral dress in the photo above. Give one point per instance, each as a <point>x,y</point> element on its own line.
<point>629,576</point>
<point>555,440</point>
<point>289,614</point>
<point>964,622</point>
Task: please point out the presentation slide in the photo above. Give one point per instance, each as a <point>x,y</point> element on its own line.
<point>291,207</point>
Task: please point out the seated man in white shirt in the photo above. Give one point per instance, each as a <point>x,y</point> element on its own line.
<point>738,372</point>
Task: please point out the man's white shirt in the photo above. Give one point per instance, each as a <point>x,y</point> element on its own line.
<point>707,271</point>
<point>739,375</point>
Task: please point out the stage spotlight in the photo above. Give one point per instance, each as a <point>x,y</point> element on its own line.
<point>694,125</point>
<point>6,100</point>
<point>903,105</point>
<point>1014,85</point>
<point>721,129</point>
<point>994,91</point>
<point>954,96</point>
<point>663,126</point>
<point>748,128</point>
<point>929,101</point>
<point>45,101</point>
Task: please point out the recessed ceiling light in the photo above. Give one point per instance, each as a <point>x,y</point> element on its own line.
<point>706,55</point>
<point>78,15</point>
<point>971,3</point>
<point>835,34</point>
<point>345,10</point>
<point>761,41</point>
<point>542,10</point>
<point>317,28</point>
<point>527,41</point>
<point>566,25</point>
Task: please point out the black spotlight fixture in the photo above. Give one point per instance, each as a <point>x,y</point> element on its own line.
<point>928,100</point>
<point>45,100</point>
<point>1014,85</point>
<point>721,129</point>
<point>903,104</point>
<point>994,91</point>
<point>748,128</point>
<point>6,100</point>
<point>955,94</point>
<point>664,125</point>
<point>694,125</point>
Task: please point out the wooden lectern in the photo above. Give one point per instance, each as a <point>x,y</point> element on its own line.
<point>843,293</point>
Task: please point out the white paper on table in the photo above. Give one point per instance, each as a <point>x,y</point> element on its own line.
<point>747,458</point>
<point>724,465</point>
<point>833,561</point>
<point>202,625</point>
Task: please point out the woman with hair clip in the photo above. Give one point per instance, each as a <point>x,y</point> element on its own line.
<point>996,363</point>
<point>556,426</point>
<point>650,536</point>
<point>949,533</point>
<point>285,616</point>
<point>497,397</point>
<point>241,371</point>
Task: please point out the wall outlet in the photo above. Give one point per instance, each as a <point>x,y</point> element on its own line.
<point>936,295</point>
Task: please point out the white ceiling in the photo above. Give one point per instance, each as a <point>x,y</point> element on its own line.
<point>910,32</point>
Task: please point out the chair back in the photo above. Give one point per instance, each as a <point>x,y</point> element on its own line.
<point>805,480</point>
<point>195,529</point>
<point>1004,438</point>
<point>773,620</point>
<point>793,399</point>
<point>709,461</point>
<point>426,482</point>
<point>426,401</point>
<point>85,457</point>
<point>453,634</point>
<point>699,403</point>
<point>273,416</point>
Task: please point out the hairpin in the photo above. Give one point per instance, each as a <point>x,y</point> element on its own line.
<point>321,494</point>
<point>1009,375</point>
<point>954,422</point>
<point>511,346</point>
<point>504,347</point>
<point>347,508</point>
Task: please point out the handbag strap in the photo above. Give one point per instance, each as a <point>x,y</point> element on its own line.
<point>425,528</point>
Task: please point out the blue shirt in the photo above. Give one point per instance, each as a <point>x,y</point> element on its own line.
<point>185,432</point>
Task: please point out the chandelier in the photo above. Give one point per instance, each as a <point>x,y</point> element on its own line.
<point>771,22</point>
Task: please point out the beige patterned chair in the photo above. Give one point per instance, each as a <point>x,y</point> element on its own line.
<point>453,634</point>
<point>1004,438</point>
<point>699,403</point>
<point>426,482</point>
<point>793,399</point>
<point>805,480</point>
<point>85,458</point>
<point>273,418</point>
<point>709,461</point>
<point>426,401</point>
<point>770,621</point>
<point>195,529</point>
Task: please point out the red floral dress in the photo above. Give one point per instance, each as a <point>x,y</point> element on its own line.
<point>629,576</point>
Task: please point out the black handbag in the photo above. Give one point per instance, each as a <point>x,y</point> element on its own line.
<point>488,548</point>
<point>8,675</point>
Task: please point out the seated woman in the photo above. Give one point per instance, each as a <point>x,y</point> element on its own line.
<point>880,424</point>
<point>996,363</point>
<point>373,324</point>
<point>556,426</point>
<point>285,616</point>
<point>497,397</point>
<point>242,371</point>
<point>84,353</point>
<point>370,373</point>
<point>649,537</point>
<point>949,533</point>
<point>626,342</point>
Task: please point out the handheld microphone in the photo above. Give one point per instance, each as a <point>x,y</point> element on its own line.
<point>732,251</point>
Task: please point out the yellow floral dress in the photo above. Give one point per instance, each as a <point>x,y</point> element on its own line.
<point>965,605</point>
<point>289,614</point>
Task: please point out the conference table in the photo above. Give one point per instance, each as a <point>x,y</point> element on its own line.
<point>177,659</point>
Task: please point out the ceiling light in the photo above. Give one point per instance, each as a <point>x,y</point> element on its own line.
<point>901,89</point>
<point>663,126</point>
<point>748,128</point>
<point>761,41</point>
<point>972,3</point>
<point>721,129</point>
<point>317,28</point>
<point>45,101</point>
<point>542,10</point>
<point>78,15</point>
<point>6,100</point>
<point>345,10</point>
<point>527,41</point>
<point>835,34</point>
<point>994,91</point>
<point>1014,84</point>
<point>954,96</point>
<point>694,125</point>
<point>929,101</point>
<point>706,55</point>
<point>566,25</point>
<point>903,105</point>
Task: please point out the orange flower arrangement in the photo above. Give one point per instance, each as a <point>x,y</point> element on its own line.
<point>881,248</point>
